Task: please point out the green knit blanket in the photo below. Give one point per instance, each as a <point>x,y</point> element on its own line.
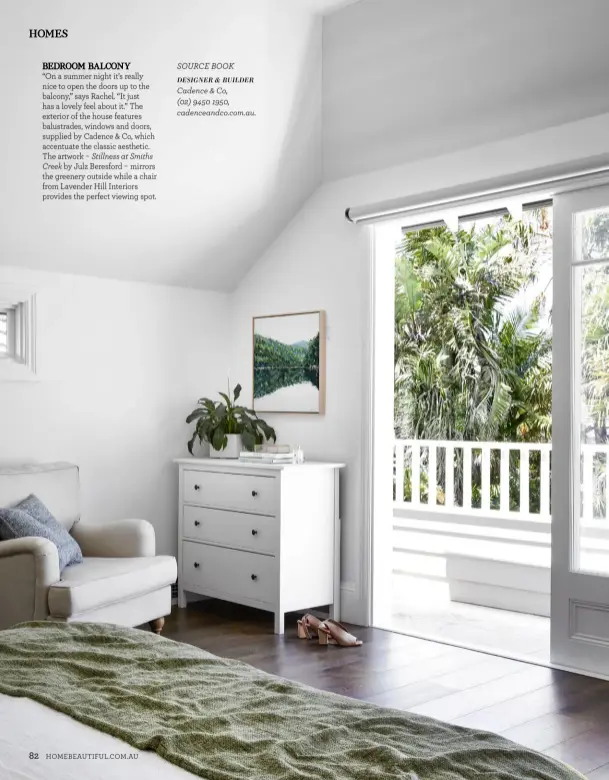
<point>223,720</point>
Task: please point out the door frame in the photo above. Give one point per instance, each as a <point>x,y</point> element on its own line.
<point>372,482</point>
<point>580,599</point>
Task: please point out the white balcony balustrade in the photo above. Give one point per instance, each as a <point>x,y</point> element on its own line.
<point>512,479</point>
<point>477,517</point>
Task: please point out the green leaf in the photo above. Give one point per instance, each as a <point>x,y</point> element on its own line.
<point>219,440</point>
<point>191,443</point>
<point>226,398</point>
<point>267,430</point>
<point>248,439</point>
<point>237,392</point>
<point>196,414</point>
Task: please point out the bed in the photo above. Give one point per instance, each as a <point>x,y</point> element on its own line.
<point>72,695</point>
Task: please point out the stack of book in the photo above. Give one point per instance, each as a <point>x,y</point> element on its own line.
<point>265,456</point>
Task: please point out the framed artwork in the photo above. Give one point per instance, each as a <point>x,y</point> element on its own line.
<point>290,363</point>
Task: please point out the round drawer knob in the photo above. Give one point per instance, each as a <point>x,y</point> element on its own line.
<point>254,493</point>
<point>197,565</point>
<point>254,577</point>
<point>197,487</point>
<point>254,532</point>
<point>197,523</point>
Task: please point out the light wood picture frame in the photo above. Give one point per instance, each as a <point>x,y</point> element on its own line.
<point>289,363</point>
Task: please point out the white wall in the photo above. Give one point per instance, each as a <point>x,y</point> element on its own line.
<point>321,261</point>
<point>120,366</point>
<point>404,80</point>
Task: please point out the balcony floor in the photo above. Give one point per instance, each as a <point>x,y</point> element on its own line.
<point>422,607</point>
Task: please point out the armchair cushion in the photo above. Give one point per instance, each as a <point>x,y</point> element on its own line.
<point>130,538</point>
<point>18,523</point>
<point>100,582</point>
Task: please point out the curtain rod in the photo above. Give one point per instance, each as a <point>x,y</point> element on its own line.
<point>457,198</point>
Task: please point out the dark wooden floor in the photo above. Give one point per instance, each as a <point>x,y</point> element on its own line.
<point>561,714</point>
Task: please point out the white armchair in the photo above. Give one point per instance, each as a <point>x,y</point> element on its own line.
<point>120,580</point>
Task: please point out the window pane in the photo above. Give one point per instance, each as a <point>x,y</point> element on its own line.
<point>591,306</point>
<point>592,236</point>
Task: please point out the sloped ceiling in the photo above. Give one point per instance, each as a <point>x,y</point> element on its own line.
<point>225,186</point>
<point>407,79</point>
<point>402,80</point>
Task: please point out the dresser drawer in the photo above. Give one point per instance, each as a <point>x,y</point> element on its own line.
<point>229,573</point>
<point>258,533</point>
<point>240,492</point>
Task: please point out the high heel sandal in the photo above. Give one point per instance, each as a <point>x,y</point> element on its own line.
<point>307,626</point>
<point>332,633</point>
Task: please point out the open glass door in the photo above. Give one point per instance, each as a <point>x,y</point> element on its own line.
<point>580,432</point>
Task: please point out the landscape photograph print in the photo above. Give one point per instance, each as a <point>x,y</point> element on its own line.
<point>289,363</point>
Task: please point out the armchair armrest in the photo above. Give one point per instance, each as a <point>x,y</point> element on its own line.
<point>130,538</point>
<point>28,566</point>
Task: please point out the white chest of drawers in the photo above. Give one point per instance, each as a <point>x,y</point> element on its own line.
<point>267,536</point>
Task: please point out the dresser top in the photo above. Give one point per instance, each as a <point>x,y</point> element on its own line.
<point>221,464</point>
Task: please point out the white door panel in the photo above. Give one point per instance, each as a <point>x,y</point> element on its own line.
<point>580,419</point>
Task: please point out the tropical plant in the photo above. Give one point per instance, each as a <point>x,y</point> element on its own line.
<point>472,362</point>
<point>473,344</point>
<point>595,357</point>
<point>469,363</point>
<point>215,421</point>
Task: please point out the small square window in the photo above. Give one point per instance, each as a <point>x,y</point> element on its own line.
<point>3,331</point>
<point>17,334</point>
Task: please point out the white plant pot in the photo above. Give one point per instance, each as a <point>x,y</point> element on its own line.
<point>232,450</point>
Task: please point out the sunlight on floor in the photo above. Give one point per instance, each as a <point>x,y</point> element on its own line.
<point>423,607</point>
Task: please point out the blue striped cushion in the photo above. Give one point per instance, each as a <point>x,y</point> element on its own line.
<point>31,518</point>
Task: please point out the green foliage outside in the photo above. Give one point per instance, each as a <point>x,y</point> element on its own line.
<point>278,365</point>
<point>594,295</point>
<point>473,344</point>
<point>471,363</point>
<point>595,358</point>
<point>594,285</point>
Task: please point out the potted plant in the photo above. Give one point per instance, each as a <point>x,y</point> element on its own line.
<point>227,427</point>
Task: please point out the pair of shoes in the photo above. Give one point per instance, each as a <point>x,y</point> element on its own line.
<point>329,632</point>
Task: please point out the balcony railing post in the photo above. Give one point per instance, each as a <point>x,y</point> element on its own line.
<point>415,479</point>
<point>467,475</point>
<point>399,472</point>
<point>524,506</point>
<point>588,482</point>
<point>449,476</point>
<point>504,479</point>
<point>544,488</point>
<point>606,481</point>
<point>432,476</point>
<point>485,479</point>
